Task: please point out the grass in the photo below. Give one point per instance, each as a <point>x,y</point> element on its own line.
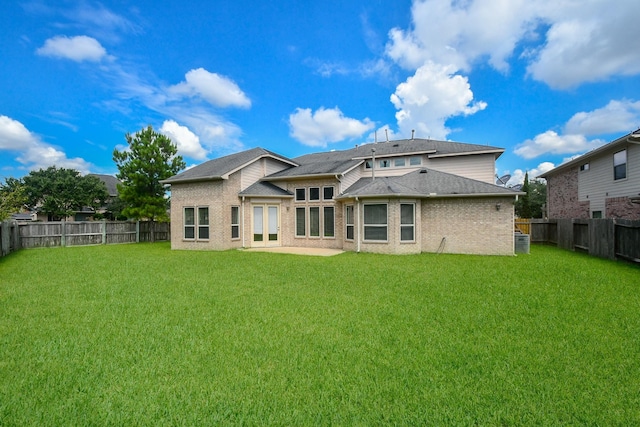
<point>142,335</point>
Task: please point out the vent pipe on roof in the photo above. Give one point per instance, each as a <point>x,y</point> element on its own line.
<point>413,132</point>
<point>375,138</point>
<point>386,132</point>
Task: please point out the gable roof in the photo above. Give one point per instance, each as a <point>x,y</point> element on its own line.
<point>110,181</point>
<point>222,167</point>
<point>633,138</point>
<point>424,183</point>
<point>264,189</point>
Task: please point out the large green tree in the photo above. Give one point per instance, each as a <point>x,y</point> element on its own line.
<point>13,197</point>
<point>61,192</point>
<point>150,158</point>
<point>531,205</point>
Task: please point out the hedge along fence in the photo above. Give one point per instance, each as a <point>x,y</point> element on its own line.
<point>605,238</point>
<point>14,236</point>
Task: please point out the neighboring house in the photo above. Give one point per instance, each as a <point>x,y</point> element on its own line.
<point>87,212</point>
<point>603,183</point>
<point>406,196</point>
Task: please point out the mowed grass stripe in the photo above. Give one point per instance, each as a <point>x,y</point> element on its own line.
<point>140,334</point>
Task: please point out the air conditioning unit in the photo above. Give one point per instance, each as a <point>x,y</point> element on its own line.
<point>522,243</point>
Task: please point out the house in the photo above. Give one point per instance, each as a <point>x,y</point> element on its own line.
<point>405,196</point>
<point>87,212</point>
<point>603,183</point>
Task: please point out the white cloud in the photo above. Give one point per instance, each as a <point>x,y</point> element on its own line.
<point>34,153</point>
<point>517,176</point>
<point>217,90</point>
<point>427,99</point>
<point>616,116</point>
<point>324,126</point>
<point>567,42</point>
<point>187,142</point>
<point>79,48</point>
<point>550,142</point>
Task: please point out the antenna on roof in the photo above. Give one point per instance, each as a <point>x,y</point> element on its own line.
<point>386,132</point>
<point>413,132</point>
<point>375,138</point>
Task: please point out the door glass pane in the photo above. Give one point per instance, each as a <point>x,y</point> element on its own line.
<point>257,224</point>
<point>273,223</point>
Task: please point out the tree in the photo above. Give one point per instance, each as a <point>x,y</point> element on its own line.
<point>537,198</point>
<point>12,197</point>
<point>523,206</point>
<point>62,192</point>
<point>150,158</point>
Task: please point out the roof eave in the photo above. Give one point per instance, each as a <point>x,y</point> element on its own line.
<point>190,180</point>
<point>467,153</point>
<point>427,196</point>
<point>296,177</point>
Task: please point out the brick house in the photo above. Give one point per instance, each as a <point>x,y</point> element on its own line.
<point>603,183</point>
<point>406,196</point>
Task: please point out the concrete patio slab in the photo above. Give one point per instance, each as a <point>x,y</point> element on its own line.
<point>298,251</point>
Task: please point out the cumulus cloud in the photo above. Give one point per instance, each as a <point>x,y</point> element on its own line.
<point>187,142</point>
<point>616,116</point>
<point>550,142</point>
<point>517,176</point>
<point>325,125</point>
<point>79,48</point>
<point>217,90</point>
<point>567,42</point>
<point>432,95</point>
<point>33,153</point>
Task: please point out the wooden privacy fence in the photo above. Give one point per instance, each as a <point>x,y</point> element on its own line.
<point>604,238</point>
<point>16,236</point>
<point>522,225</point>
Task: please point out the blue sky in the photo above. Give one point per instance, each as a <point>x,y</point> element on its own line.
<point>545,80</point>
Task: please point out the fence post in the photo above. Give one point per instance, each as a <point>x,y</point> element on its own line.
<point>104,231</point>
<point>138,231</point>
<point>63,239</point>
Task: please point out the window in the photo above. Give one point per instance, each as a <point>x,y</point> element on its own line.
<point>314,193</point>
<point>328,217</point>
<point>327,193</point>
<point>368,164</point>
<point>189,223</point>
<point>415,160</point>
<point>596,214</point>
<point>300,195</point>
<point>620,165</point>
<point>235,222</point>
<point>203,223</point>
<point>399,162</point>
<point>349,221</point>
<point>300,223</point>
<point>385,163</point>
<point>314,222</point>
<point>407,222</point>
<point>584,167</point>
<point>375,222</point>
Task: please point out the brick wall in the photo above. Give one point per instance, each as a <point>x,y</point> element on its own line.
<point>622,207</point>
<point>468,226</point>
<point>562,196</point>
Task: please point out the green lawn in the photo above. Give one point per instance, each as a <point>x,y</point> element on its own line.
<point>142,335</point>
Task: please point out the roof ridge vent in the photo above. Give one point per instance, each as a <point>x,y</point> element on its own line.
<point>423,170</point>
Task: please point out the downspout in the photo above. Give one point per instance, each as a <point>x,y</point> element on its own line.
<point>243,222</point>
<point>339,183</point>
<point>357,225</point>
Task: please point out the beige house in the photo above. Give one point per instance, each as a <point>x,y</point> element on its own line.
<point>604,183</point>
<point>405,196</point>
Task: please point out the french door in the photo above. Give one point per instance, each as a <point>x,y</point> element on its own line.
<point>265,225</point>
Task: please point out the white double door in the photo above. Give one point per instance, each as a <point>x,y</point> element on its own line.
<point>265,225</point>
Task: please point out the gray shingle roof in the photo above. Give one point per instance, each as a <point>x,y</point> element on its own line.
<point>218,168</point>
<point>424,183</point>
<point>264,189</point>
<point>328,167</point>
<point>110,181</point>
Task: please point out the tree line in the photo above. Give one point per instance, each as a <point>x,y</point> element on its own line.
<point>148,158</point>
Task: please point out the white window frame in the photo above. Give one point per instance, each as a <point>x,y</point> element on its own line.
<point>373,225</point>
<point>313,226</point>
<point>332,224</point>
<point>399,162</point>
<point>304,194</point>
<point>415,160</point>
<point>324,190</point>
<point>411,225</point>
<point>349,225</point>
<point>384,163</point>
<point>201,226</point>
<point>304,219</point>
<point>235,226</point>
<point>191,226</point>
<point>618,163</point>
<point>314,189</point>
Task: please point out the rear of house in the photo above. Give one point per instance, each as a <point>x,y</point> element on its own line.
<point>406,196</point>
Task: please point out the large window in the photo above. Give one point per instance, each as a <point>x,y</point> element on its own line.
<point>300,222</point>
<point>300,194</point>
<point>399,162</point>
<point>203,223</point>
<point>235,222</point>
<point>620,165</point>
<point>375,222</point>
<point>314,221</point>
<point>385,163</point>
<point>415,161</point>
<point>407,222</point>
<point>328,221</point>
<point>189,223</point>
<point>196,219</point>
<point>327,193</point>
<point>349,221</point>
